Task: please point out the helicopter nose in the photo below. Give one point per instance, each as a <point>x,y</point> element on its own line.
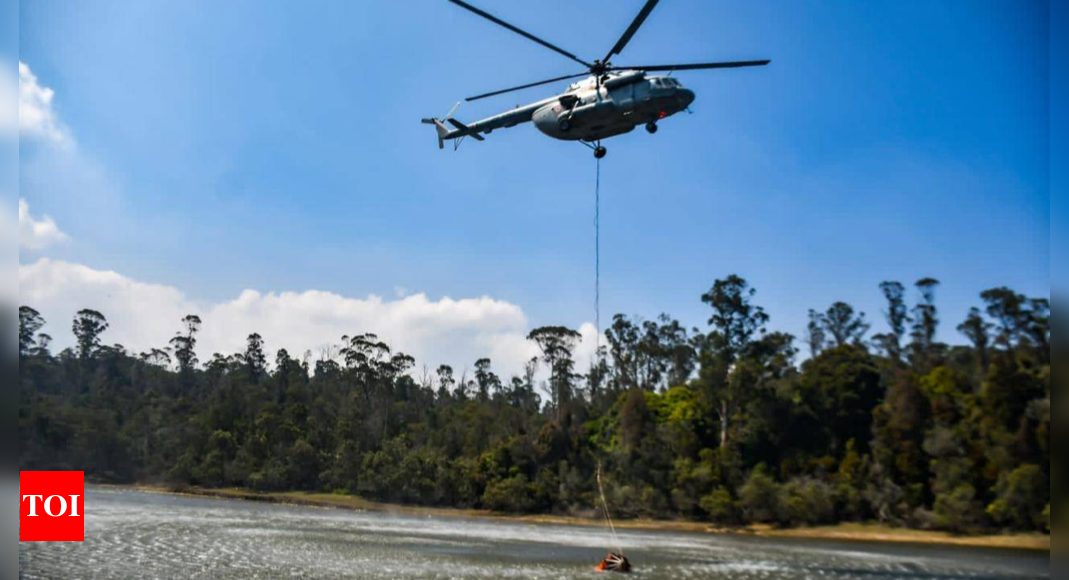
<point>686,96</point>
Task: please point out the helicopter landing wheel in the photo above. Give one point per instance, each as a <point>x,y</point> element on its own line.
<point>651,127</point>
<point>600,152</point>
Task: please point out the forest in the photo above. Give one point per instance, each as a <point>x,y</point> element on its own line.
<point>731,424</point>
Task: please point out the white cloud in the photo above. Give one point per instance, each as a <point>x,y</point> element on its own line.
<point>37,234</point>
<point>143,316</point>
<point>37,117</point>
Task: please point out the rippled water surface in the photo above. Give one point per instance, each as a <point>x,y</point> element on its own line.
<point>131,535</point>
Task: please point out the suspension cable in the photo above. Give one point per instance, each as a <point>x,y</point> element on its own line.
<point>608,518</point>
<point>597,260</point>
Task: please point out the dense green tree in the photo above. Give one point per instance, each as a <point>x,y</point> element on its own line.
<point>1019,321</point>
<point>816,337</point>
<point>446,382</point>
<point>30,323</point>
<point>88,326</point>
<point>623,337</point>
<point>254,358</point>
<point>557,344</point>
<point>735,321</point>
<point>157,357</point>
<point>1022,494</point>
<point>844,325</point>
<point>184,345</point>
<point>1010,313</point>
<point>897,317</point>
<point>42,341</point>
<point>958,510</point>
<point>806,501</point>
<point>724,426</point>
<point>844,384</point>
<point>720,506</point>
<point>925,323</point>
<point>678,350</point>
<point>1039,327</point>
<point>760,498</point>
<point>978,331</point>
<point>651,355</point>
<point>1008,390</point>
<point>901,421</point>
<point>763,379</point>
<point>849,484</point>
<point>488,383</point>
<point>598,378</point>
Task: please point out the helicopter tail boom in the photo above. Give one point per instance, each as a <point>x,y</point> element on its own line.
<point>465,131</point>
<point>444,132</point>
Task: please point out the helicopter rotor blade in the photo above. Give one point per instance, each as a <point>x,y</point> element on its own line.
<point>527,86</point>
<point>519,31</point>
<point>699,66</point>
<point>631,30</point>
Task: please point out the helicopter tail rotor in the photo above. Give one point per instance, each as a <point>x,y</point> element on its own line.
<point>443,131</point>
<point>440,127</point>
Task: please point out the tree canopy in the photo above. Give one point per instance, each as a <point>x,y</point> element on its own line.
<point>722,424</point>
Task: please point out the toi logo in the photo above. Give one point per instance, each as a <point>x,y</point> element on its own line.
<point>52,507</point>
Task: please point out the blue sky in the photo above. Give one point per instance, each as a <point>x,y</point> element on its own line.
<point>1059,47</point>
<point>276,146</point>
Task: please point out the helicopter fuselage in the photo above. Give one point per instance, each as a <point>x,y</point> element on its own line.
<point>592,113</point>
<point>590,110</point>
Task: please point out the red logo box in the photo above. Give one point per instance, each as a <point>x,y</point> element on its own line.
<point>52,506</point>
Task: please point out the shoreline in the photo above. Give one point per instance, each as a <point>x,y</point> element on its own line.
<point>849,532</point>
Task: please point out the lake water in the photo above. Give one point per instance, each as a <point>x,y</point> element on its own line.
<point>132,535</point>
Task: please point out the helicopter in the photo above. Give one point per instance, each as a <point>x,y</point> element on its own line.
<point>612,100</point>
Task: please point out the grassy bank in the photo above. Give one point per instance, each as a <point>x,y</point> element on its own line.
<point>845,532</point>
<point>882,533</point>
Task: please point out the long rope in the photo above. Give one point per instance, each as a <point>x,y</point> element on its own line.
<point>597,323</point>
<point>608,518</point>
<point>597,260</point>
